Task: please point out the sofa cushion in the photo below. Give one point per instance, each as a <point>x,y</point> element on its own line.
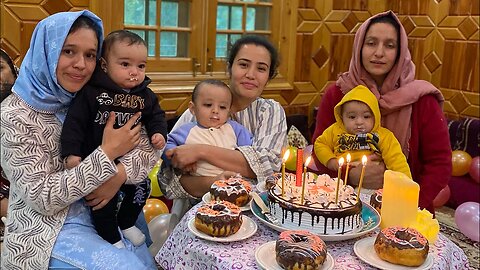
<point>464,135</point>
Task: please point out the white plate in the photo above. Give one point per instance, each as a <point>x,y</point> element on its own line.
<point>265,256</point>
<point>248,228</point>
<point>261,187</point>
<point>208,198</point>
<point>366,252</point>
<point>370,221</point>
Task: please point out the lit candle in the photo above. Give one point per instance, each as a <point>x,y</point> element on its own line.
<point>304,182</point>
<point>364,163</point>
<point>340,164</point>
<point>349,158</point>
<point>285,158</point>
<point>299,164</point>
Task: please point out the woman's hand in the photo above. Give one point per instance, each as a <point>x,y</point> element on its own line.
<point>117,142</point>
<point>373,177</point>
<point>184,156</point>
<point>199,185</point>
<point>104,193</point>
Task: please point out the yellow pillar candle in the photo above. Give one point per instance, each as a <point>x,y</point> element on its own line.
<point>340,164</point>
<point>285,158</point>
<point>399,200</point>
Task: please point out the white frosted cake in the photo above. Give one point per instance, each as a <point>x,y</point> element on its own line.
<point>319,213</point>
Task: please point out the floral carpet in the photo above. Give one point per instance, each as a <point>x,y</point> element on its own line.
<point>445,217</point>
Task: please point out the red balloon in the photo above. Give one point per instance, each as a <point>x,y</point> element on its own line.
<point>442,197</point>
<point>460,162</point>
<point>475,169</point>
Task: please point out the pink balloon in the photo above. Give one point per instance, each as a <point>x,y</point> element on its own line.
<point>442,197</point>
<point>467,218</point>
<point>475,169</point>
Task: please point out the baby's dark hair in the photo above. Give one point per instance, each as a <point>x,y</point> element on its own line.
<point>389,20</point>
<point>258,41</point>
<point>199,85</point>
<point>121,35</point>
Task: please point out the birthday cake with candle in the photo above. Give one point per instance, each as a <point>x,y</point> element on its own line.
<point>320,210</point>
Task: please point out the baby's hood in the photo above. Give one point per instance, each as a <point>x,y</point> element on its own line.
<point>363,94</point>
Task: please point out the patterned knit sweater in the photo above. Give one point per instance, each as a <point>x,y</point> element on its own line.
<point>41,190</point>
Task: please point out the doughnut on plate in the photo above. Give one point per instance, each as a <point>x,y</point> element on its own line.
<point>366,252</point>
<point>248,228</point>
<point>265,257</point>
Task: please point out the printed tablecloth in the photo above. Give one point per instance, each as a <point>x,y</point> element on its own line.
<point>183,250</point>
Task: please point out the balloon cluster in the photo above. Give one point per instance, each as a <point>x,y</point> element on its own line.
<point>463,163</point>
<point>467,218</point>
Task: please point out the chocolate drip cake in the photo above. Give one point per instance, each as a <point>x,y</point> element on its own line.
<point>319,213</point>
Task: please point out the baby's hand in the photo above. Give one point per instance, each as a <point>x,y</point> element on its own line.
<point>158,141</point>
<point>72,161</point>
<point>332,164</point>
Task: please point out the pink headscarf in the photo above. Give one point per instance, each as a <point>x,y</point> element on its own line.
<point>399,90</point>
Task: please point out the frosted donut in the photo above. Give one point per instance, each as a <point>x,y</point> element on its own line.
<point>300,250</point>
<point>234,190</point>
<point>218,218</point>
<point>403,246</point>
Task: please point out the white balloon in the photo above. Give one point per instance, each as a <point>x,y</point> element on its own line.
<point>160,228</point>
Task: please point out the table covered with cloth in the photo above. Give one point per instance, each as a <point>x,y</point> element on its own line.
<point>183,250</point>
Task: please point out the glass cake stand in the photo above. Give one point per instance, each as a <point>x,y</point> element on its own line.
<point>370,221</point>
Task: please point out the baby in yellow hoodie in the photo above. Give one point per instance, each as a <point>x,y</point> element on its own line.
<point>358,132</point>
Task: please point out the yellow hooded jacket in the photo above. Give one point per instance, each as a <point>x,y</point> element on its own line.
<point>327,145</point>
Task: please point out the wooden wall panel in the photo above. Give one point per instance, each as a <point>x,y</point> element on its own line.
<point>19,18</point>
<point>443,39</point>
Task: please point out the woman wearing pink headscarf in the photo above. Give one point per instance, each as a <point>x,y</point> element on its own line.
<point>411,109</point>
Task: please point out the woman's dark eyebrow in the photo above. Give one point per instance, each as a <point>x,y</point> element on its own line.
<point>248,60</point>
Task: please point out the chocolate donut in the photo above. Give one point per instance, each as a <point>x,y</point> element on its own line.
<point>376,200</point>
<point>403,246</point>
<point>234,190</point>
<point>218,218</point>
<point>300,250</point>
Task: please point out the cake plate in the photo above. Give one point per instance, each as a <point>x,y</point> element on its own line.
<point>370,221</point>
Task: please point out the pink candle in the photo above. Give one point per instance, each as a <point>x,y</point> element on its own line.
<point>298,181</point>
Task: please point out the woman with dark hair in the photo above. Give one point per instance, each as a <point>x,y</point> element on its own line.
<point>49,223</point>
<point>252,63</point>
<point>8,74</point>
<point>411,109</point>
